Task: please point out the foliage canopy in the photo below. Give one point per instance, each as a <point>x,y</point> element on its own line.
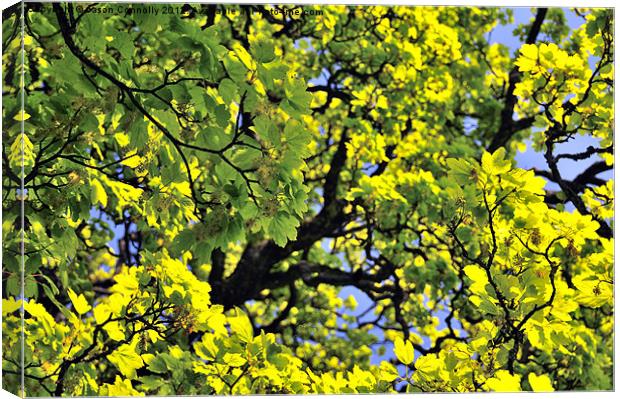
<point>201,188</point>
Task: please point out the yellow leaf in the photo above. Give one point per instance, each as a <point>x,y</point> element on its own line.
<point>10,305</point>
<point>244,56</point>
<point>403,351</point>
<point>240,324</point>
<point>540,383</point>
<point>428,364</point>
<point>382,102</point>
<point>147,358</point>
<point>22,151</point>
<point>132,161</point>
<point>495,164</point>
<point>153,336</point>
<point>234,360</point>
<point>120,388</point>
<point>21,116</point>
<point>98,194</point>
<point>478,277</point>
<point>101,313</point>
<point>350,302</point>
<point>504,382</point>
<point>388,371</point>
<point>207,348</point>
<point>126,360</point>
<point>37,311</point>
<point>528,58</point>
<point>114,331</point>
<point>79,302</point>
<point>122,139</point>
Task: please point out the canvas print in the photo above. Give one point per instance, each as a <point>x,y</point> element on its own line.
<point>223,199</point>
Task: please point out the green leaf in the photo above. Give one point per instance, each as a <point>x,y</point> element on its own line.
<point>264,51</point>
<point>213,137</point>
<point>208,63</point>
<point>89,123</point>
<point>222,115</point>
<point>266,130</point>
<point>51,295</point>
<point>235,69</point>
<point>157,365</point>
<point>31,289</point>
<point>170,122</point>
<point>460,170</point>
<point>227,89</point>
<point>13,284</point>
<point>283,227</point>
<point>124,44</point>
<point>297,138</point>
<point>297,98</point>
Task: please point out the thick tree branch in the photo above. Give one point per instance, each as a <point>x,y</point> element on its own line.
<point>507,125</point>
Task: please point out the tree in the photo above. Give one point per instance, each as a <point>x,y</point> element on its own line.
<point>201,185</point>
